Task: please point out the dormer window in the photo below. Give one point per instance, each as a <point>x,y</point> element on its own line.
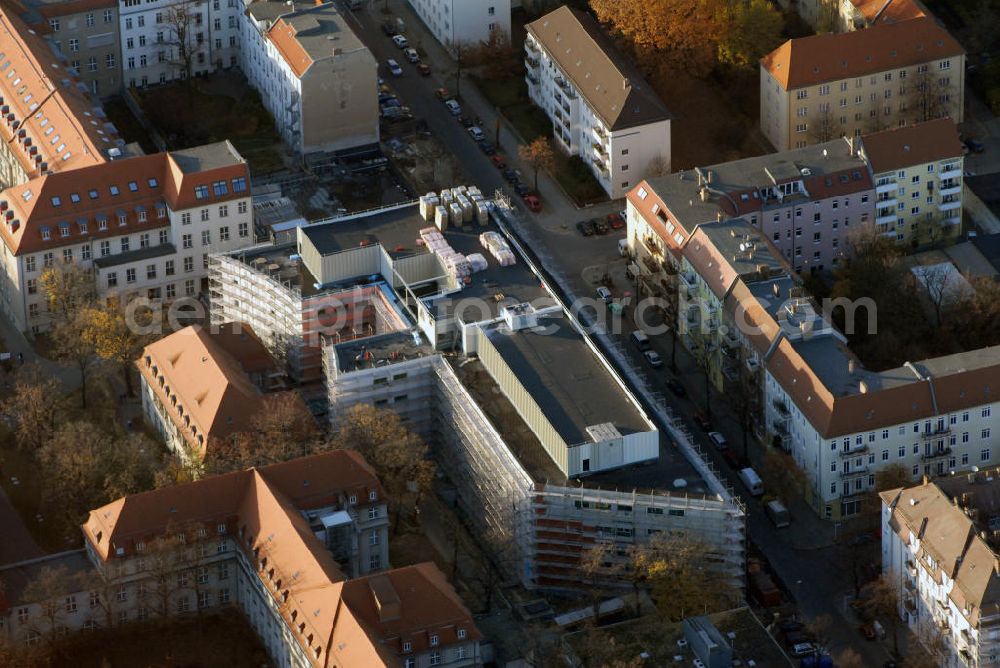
<point>92,194</point>
<point>152,183</point>
<point>114,191</point>
<point>56,201</point>
<point>461,634</point>
<point>407,646</point>
<point>222,528</point>
<point>434,641</point>
<point>352,499</point>
<point>372,495</point>
<point>46,233</point>
<point>75,198</point>
<point>133,186</point>
<point>64,229</point>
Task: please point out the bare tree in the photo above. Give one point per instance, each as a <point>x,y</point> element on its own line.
<point>184,40</point>
<point>928,96</point>
<point>825,127</point>
<point>883,603</point>
<point>51,590</point>
<point>937,281</point>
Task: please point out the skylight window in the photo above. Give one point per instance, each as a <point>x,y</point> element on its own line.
<point>56,201</point>
<point>93,194</point>
<point>133,186</point>
<point>26,195</point>
<point>114,190</point>
<point>75,198</point>
<point>152,183</point>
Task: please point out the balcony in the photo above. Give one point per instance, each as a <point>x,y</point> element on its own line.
<point>600,134</point>
<point>936,454</point>
<point>688,279</point>
<point>950,206</point>
<point>886,202</point>
<point>888,219</point>
<point>600,150</point>
<point>854,471</point>
<point>892,186</point>
<point>531,78</point>
<point>782,410</point>
<point>952,173</point>
<point>911,568</point>
<point>730,341</point>
<point>950,190</point>
<point>530,46</point>
<point>531,63</point>
<point>938,432</point>
<point>852,451</point>
<point>953,220</point>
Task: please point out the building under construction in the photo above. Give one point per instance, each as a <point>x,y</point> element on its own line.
<point>548,449</point>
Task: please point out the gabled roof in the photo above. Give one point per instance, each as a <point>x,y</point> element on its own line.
<point>808,61</point>
<point>887,11</point>
<point>201,377</point>
<point>918,144</point>
<point>59,127</point>
<point>612,86</point>
<point>76,201</point>
<point>261,509</point>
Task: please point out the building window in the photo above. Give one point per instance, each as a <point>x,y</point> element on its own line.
<point>206,237</point>
<point>243,229</point>
<point>984,455</point>
<point>186,241</point>
<point>112,279</point>
<point>204,215</point>
<point>374,562</point>
<point>188,264</point>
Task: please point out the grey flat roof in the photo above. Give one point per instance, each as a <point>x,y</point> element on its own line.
<point>569,384</point>
<point>147,253</point>
<point>207,156</point>
<point>721,233</point>
<point>380,350</point>
<point>396,229</point>
<point>323,32</point>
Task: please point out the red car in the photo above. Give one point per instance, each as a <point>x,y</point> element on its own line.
<point>534,204</point>
<point>498,162</point>
<point>616,221</point>
<point>424,69</point>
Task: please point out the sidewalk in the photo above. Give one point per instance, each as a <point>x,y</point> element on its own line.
<point>17,344</point>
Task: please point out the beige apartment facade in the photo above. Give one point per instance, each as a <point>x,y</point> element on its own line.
<point>86,32</point>
<point>818,88</point>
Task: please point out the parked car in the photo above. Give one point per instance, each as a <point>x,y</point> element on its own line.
<point>442,94</point>
<point>616,221</point>
<point>487,148</point>
<point>600,226</point>
<point>718,440</point>
<point>424,69</point>
<point>534,204</point>
<point>975,145</point>
<point>802,649</point>
<point>390,102</point>
<point>411,55</point>
<point>385,95</point>
<point>653,358</point>
<point>585,228</point>
<point>400,41</point>
<point>509,175</point>
<point>465,121</point>
<point>787,625</point>
<point>476,133</point>
<point>394,68</point>
<point>454,108</point>
<point>702,421</point>
<point>676,388</point>
<point>389,28</point>
<point>522,189</point>
<point>604,294</point>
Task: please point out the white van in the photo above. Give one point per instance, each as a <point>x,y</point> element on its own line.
<point>752,481</point>
<point>623,247</point>
<point>778,513</point>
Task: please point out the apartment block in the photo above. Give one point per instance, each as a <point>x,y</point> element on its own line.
<point>314,75</point>
<point>940,549</point>
<point>814,89</point>
<point>165,40</point>
<point>463,23</point>
<point>600,106</point>
<point>200,387</point>
<point>537,463</point>
<point>918,181</point>
<point>86,32</point>
<point>144,224</point>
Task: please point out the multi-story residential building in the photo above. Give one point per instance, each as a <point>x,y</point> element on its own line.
<point>803,202</point>
<point>940,549</point>
<point>860,14</point>
<point>164,40</point>
<point>918,180</point>
<point>50,123</point>
<point>600,106</point>
<point>86,32</point>
<point>314,75</point>
<point>300,547</point>
<point>463,23</point>
<point>144,224</point>
<point>813,89</point>
<point>509,405</point>
<point>202,386</point>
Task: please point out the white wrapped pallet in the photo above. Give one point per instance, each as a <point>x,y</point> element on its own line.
<point>459,190</point>
<point>467,211</point>
<point>455,213</point>
<point>427,207</point>
<point>441,217</point>
<point>477,262</point>
<point>482,213</point>
<point>506,258</point>
<point>473,191</point>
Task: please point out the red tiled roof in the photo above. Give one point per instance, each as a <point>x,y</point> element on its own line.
<point>894,149</point>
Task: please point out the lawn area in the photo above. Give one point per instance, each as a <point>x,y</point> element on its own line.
<point>191,115</point>
<point>196,641</point>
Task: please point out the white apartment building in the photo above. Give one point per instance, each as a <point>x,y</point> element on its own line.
<point>601,108</point>
<point>842,423</point>
<point>318,80</point>
<point>940,550</point>
<point>463,22</point>
<point>917,172</point>
<point>145,225</point>
<point>161,39</point>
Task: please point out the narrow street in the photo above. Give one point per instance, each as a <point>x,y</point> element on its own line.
<point>804,555</point>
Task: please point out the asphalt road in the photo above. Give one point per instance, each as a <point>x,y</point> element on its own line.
<point>803,558</point>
